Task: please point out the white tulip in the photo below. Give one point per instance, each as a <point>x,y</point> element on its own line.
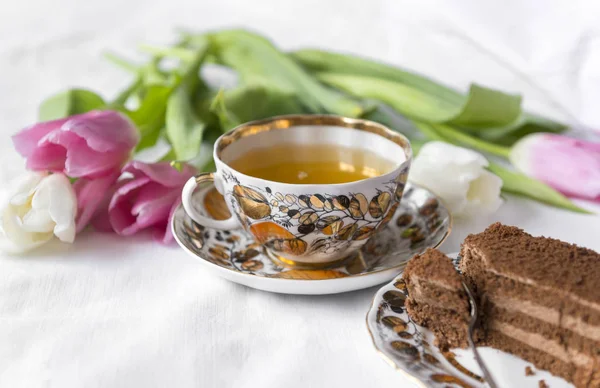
<point>42,206</point>
<point>458,176</point>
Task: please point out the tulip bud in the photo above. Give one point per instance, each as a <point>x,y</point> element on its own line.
<point>569,165</point>
<point>459,177</point>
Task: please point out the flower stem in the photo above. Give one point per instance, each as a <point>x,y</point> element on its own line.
<point>473,142</point>
<point>124,95</point>
<point>122,62</point>
<point>430,132</point>
<point>519,184</point>
<point>451,135</point>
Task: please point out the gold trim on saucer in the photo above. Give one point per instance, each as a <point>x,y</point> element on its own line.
<point>303,265</point>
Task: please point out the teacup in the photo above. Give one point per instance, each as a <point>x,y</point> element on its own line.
<point>306,224</point>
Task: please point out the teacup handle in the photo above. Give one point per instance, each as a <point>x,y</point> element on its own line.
<point>186,199</point>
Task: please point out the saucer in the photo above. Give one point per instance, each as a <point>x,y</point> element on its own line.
<point>420,222</point>
<point>410,349</point>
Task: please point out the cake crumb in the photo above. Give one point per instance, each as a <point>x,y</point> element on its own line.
<point>543,384</point>
<point>529,371</point>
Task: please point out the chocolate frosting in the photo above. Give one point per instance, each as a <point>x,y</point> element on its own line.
<point>545,261</point>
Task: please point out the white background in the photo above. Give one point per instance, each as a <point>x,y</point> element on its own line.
<point>114,312</point>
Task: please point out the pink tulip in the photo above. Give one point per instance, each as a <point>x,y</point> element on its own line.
<point>147,198</point>
<point>90,145</point>
<point>91,195</point>
<point>571,166</point>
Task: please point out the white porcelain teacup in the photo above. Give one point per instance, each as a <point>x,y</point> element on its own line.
<point>306,224</point>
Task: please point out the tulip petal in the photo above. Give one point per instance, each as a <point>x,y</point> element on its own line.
<point>458,176</point>
<point>101,222</point>
<point>91,193</point>
<point>119,209</point>
<point>14,239</point>
<point>483,196</point>
<point>92,144</point>
<point>26,140</point>
<point>154,211</point>
<point>147,197</point>
<point>61,205</point>
<point>25,187</point>
<point>49,157</point>
<point>104,131</point>
<point>128,186</point>
<point>90,164</point>
<point>161,172</point>
<point>44,206</point>
<point>121,218</point>
<point>571,166</point>
<point>37,220</point>
<point>151,206</point>
<point>82,161</point>
<point>167,236</point>
<point>157,210</point>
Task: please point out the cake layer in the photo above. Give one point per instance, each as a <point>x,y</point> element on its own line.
<point>582,315</point>
<point>437,299</point>
<point>449,328</point>
<point>538,298</point>
<point>553,317</point>
<point>528,299</point>
<point>433,265</point>
<point>544,354</point>
<point>547,263</point>
<point>540,359</point>
<point>568,340</point>
<point>437,294</point>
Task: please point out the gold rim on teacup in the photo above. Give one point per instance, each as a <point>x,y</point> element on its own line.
<point>289,121</point>
<point>306,224</point>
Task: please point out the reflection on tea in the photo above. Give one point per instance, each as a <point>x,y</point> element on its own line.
<point>311,164</point>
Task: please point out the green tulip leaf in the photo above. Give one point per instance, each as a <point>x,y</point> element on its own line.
<point>318,61</point>
<point>487,108</point>
<point>150,116</point>
<point>478,111</point>
<point>519,184</point>
<point>183,129</point>
<point>483,108</point>
<point>526,124</point>
<point>257,61</point>
<point>227,119</point>
<point>254,102</point>
<point>68,103</point>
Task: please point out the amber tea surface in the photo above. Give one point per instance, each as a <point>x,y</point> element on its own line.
<point>311,164</point>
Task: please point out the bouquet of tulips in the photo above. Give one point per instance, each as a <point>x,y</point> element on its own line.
<point>84,168</point>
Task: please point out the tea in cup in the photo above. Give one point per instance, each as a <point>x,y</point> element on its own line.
<point>312,189</point>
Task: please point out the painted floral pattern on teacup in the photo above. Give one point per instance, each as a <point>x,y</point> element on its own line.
<point>312,223</point>
<point>421,221</point>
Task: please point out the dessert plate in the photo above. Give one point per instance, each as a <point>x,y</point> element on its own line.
<point>410,349</point>
<point>420,222</point>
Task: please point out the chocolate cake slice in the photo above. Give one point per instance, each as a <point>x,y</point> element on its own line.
<point>538,298</point>
<point>437,299</point>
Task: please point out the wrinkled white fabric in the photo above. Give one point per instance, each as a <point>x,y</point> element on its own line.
<point>115,312</point>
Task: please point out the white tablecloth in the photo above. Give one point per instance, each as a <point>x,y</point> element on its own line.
<point>115,312</point>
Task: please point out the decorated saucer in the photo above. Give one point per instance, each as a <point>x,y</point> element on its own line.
<point>420,222</point>
<point>410,349</point>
